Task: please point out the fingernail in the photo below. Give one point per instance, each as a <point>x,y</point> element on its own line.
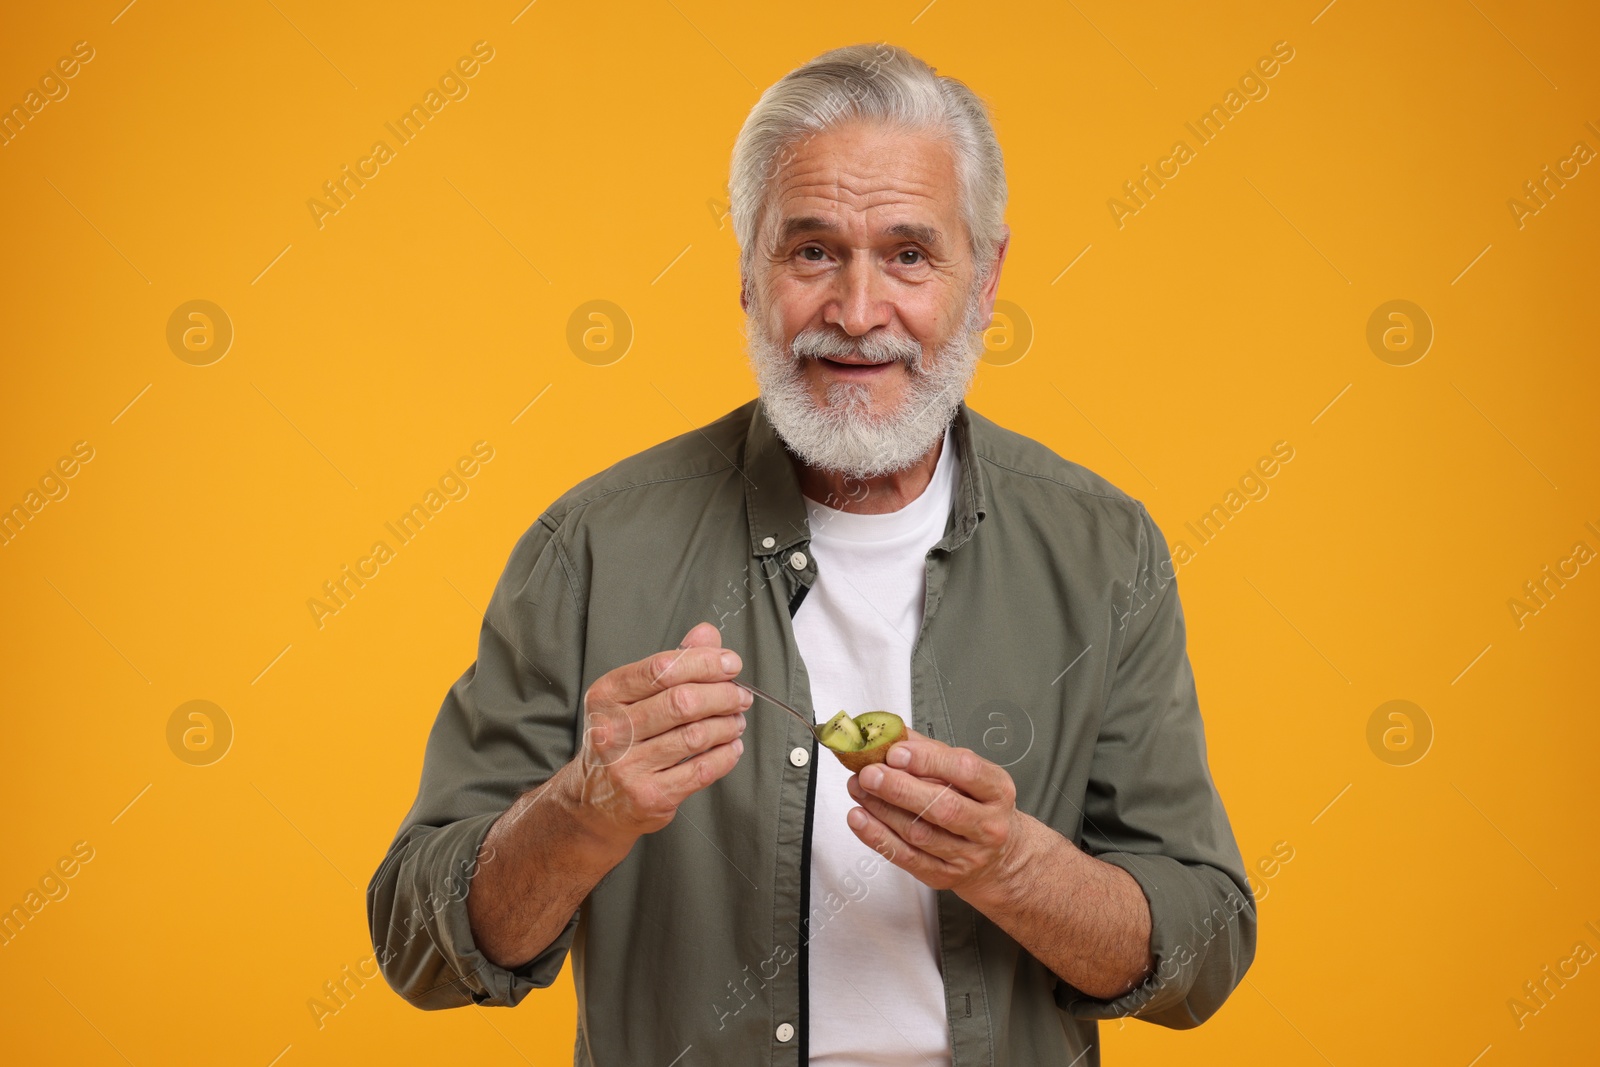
<point>738,747</point>
<point>741,722</point>
<point>871,776</point>
<point>746,698</point>
<point>730,662</point>
<point>857,819</point>
<point>899,756</point>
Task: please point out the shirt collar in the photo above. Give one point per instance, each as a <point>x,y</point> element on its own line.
<point>777,508</point>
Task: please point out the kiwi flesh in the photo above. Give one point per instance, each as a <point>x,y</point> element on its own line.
<point>864,740</point>
<point>841,733</point>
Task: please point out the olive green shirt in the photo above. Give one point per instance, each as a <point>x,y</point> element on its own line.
<point>1052,643</point>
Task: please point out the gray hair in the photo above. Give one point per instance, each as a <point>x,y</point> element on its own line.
<point>878,83</point>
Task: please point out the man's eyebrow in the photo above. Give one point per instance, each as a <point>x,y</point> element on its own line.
<point>913,231</point>
<point>795,226</point>
<point>804,224</point>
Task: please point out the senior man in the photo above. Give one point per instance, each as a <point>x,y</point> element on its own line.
<point>1044,850</point>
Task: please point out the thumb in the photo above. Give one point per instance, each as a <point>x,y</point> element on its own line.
<point>702,634</point>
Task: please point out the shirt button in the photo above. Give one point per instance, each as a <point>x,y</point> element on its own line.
<point>768,542</point>
<point>799,757</point>
<point>785,1031</point>
<point>798,561</point>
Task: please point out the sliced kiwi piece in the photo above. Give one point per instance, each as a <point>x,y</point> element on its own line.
<point>841,733</point>
<point>877,730</point>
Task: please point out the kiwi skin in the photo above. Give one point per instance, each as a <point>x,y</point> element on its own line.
<point>893,728</point>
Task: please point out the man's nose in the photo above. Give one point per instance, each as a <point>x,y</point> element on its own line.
<point>858,301</point>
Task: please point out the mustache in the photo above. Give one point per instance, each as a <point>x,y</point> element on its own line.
<point>821,343</point>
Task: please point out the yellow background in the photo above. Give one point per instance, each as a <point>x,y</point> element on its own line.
<point>588,162</point>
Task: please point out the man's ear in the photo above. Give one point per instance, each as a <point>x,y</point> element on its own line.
<point>992,285</point>
<point>994,275</point>
<point>744,296</point>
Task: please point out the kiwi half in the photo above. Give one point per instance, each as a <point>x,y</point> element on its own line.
<point>863,740</point>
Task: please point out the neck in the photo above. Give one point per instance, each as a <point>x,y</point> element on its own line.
<point>877,495</point>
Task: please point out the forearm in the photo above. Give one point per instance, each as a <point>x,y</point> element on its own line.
<point>1086,920</point>
<point>538,863</point>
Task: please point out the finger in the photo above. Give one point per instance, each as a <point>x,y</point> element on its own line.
<point>635,681</point>
<point>917,832</point>
<point>684,704</point>
<point>938,802</point>
<point>702,634</point>
<point>691,739</point>
<point>872,832</point>
<point>614,732</point>
<point>901,759</point>
<point>961,767</point>
<point>678,783</point>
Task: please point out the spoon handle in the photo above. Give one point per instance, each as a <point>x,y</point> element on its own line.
<point>774,700</point>
<point>770,699</point>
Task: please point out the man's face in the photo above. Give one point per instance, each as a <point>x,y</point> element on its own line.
<point>864,320</point>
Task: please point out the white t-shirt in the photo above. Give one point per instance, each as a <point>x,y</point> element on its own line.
<point>876,990</point>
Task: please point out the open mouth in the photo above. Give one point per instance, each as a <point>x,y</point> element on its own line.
<point>855,369</point>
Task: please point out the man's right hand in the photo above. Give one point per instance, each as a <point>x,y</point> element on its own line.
<point>658,730</point>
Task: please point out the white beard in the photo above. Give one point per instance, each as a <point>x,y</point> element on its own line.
<point>848,434</point>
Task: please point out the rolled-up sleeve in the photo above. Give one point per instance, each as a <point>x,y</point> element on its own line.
<point>506,725</point>
<point>1152,809</point>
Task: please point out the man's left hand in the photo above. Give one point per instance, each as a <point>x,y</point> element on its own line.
<point>946,815</point>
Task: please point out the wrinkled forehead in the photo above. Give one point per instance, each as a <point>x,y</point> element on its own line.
<point>865,182</point>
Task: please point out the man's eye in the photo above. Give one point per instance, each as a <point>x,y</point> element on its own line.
<point>910,262</point>
<point>805,253</point>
